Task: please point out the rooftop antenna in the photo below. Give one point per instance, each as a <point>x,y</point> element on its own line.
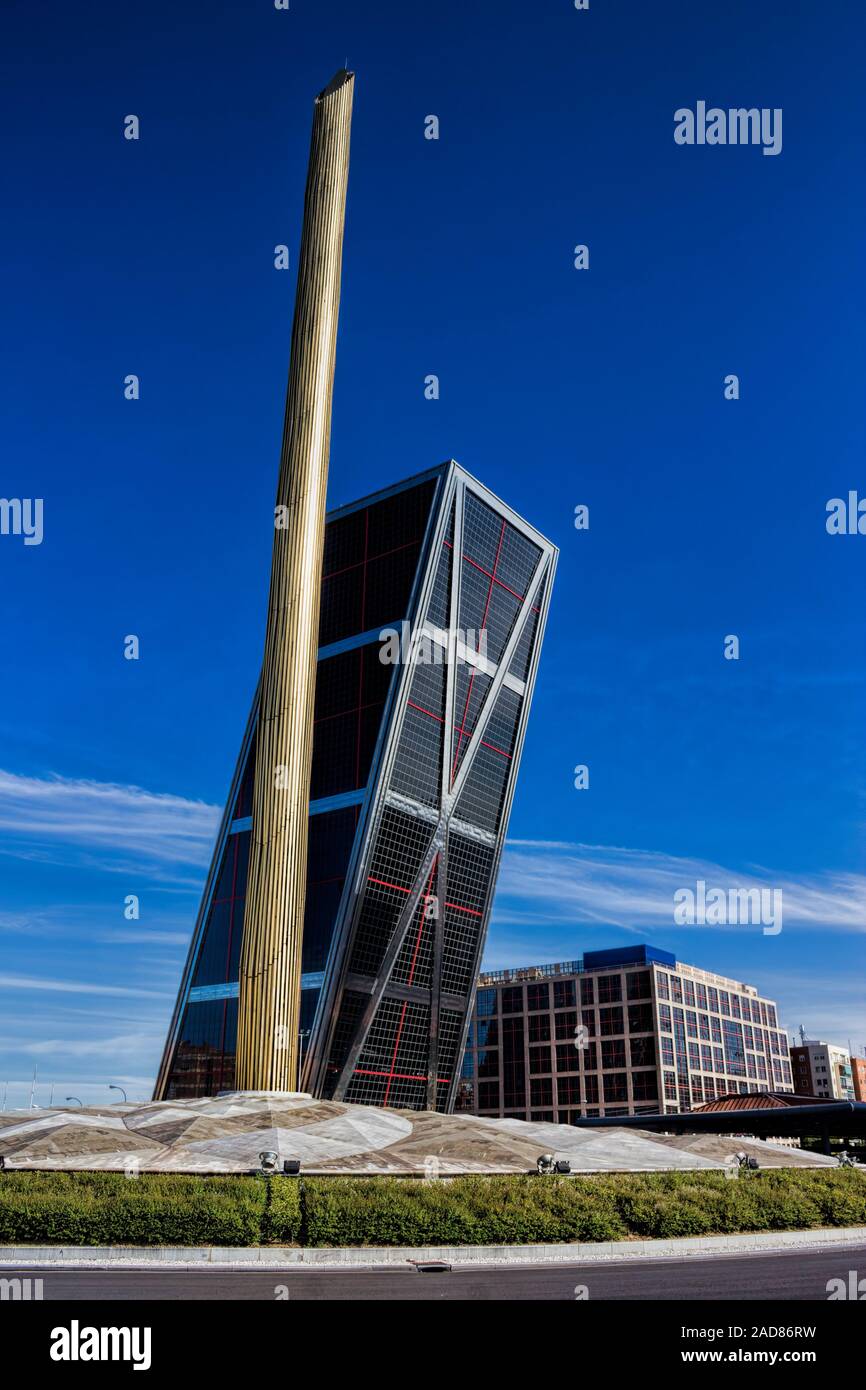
<point>802,1031</point>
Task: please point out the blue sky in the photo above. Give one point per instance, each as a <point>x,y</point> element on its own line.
<point>558,387</point>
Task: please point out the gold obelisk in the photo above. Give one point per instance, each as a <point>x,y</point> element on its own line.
<point>270,966</point>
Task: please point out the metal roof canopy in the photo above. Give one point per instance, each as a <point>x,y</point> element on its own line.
<point>845,1118</point>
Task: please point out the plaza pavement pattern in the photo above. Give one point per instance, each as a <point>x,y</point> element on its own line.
<point>227,1133</point>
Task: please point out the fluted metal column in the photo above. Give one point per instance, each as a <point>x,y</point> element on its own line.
<point>270,967</point>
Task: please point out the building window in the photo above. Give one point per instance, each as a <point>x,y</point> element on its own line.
<point>539,1028</point>
<point>538,997</point>
<point>488,1095</point>
<point>590,1086</point>
<point>613,1054</point>
<point>638,985</point>
<point>564,994</point>
<point>587,993</point>
<point>644,1085</point>
<point>485,1002</point>
<point>541,1092</point>
<point>567,1057</point>
<point>640,1018</point>
<point>539,1061</point>
<point>512,1000</point>
<point>488,1062</point>
<point>609,989</point>
<point>734,1054</point>
<point>566,1024</point>
<point>487,1031</point>
<point>568,1090</point>
<point>615,1087</point>
<point>513,1070</point>
<point>643,1052</point>
<point>610,1021</point>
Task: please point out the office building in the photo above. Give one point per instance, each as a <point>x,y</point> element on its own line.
<point>619,1032</point>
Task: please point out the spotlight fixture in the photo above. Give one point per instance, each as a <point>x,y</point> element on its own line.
<point>269,1160</point>
<point>562,1165</point>
<point>292,1166</point>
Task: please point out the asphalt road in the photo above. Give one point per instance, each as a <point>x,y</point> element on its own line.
<point>799,1275</point>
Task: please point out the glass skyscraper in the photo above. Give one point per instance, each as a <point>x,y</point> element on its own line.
<point>434,597</point>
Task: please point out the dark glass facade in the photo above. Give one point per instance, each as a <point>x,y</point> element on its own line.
<point>413,769</point>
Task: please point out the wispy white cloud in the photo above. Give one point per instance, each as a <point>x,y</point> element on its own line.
<point>104,819</point>
<point>121,1045</point>
<point>553,883</point>
<point>34,982</point>
<point>145,938</point>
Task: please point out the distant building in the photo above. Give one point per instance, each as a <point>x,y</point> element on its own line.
<point>620,1032</point>
<point>820,1069</point>
<point>858,1076</point>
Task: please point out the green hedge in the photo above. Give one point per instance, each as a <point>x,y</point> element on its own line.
<point>112,1209</point>
<point>464,1211</point>
<point>283,1218</point>
<point>520,1210</point>
<point>173,1209</point>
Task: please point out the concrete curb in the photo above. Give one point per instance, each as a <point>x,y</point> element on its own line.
<point>366,1257</point>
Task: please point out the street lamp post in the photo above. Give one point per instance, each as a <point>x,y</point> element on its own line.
<point>304,1034</point>
<point>118,1088</point>
<point>75,1098</point>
